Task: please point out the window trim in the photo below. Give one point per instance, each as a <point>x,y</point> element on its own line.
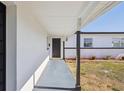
<point>86,41</point>
<point>118,41</point>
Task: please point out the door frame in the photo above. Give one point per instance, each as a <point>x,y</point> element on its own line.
<point>50,50</point>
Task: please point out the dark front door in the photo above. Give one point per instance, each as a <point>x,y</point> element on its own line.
<point>2,46</point>
<point>56,47</point>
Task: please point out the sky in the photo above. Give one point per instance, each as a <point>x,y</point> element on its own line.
<point>112,21</point>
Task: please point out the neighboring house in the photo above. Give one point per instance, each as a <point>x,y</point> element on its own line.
<point>98,44</point>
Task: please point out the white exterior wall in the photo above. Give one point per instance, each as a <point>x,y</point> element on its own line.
<point>10,47</point>
<point>99,40</point>
<point>31,46</point>
<point>71,41</point>
<point>100,53</point>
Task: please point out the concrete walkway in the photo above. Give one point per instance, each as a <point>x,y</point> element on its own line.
<point>56,76</point>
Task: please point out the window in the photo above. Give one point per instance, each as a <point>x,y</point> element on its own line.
<point>118,42</point>
<point>122,42</point>
<point>88,42</point>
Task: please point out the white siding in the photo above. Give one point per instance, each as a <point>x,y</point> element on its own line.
<point>99,40</point>
<point>71,41</point>
<point>31,45</point>
<point>10,47</point>
<point>70,53</point>
<point>100,53</point>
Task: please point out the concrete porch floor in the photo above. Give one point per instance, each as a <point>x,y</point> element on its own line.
<point>56,77</point>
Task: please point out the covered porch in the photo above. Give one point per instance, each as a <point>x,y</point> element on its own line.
<point>32,30</point>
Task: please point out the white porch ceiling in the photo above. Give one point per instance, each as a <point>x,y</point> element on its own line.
<point>60,18</point>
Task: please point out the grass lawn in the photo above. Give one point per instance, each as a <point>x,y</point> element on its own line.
<point>98,75</point>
